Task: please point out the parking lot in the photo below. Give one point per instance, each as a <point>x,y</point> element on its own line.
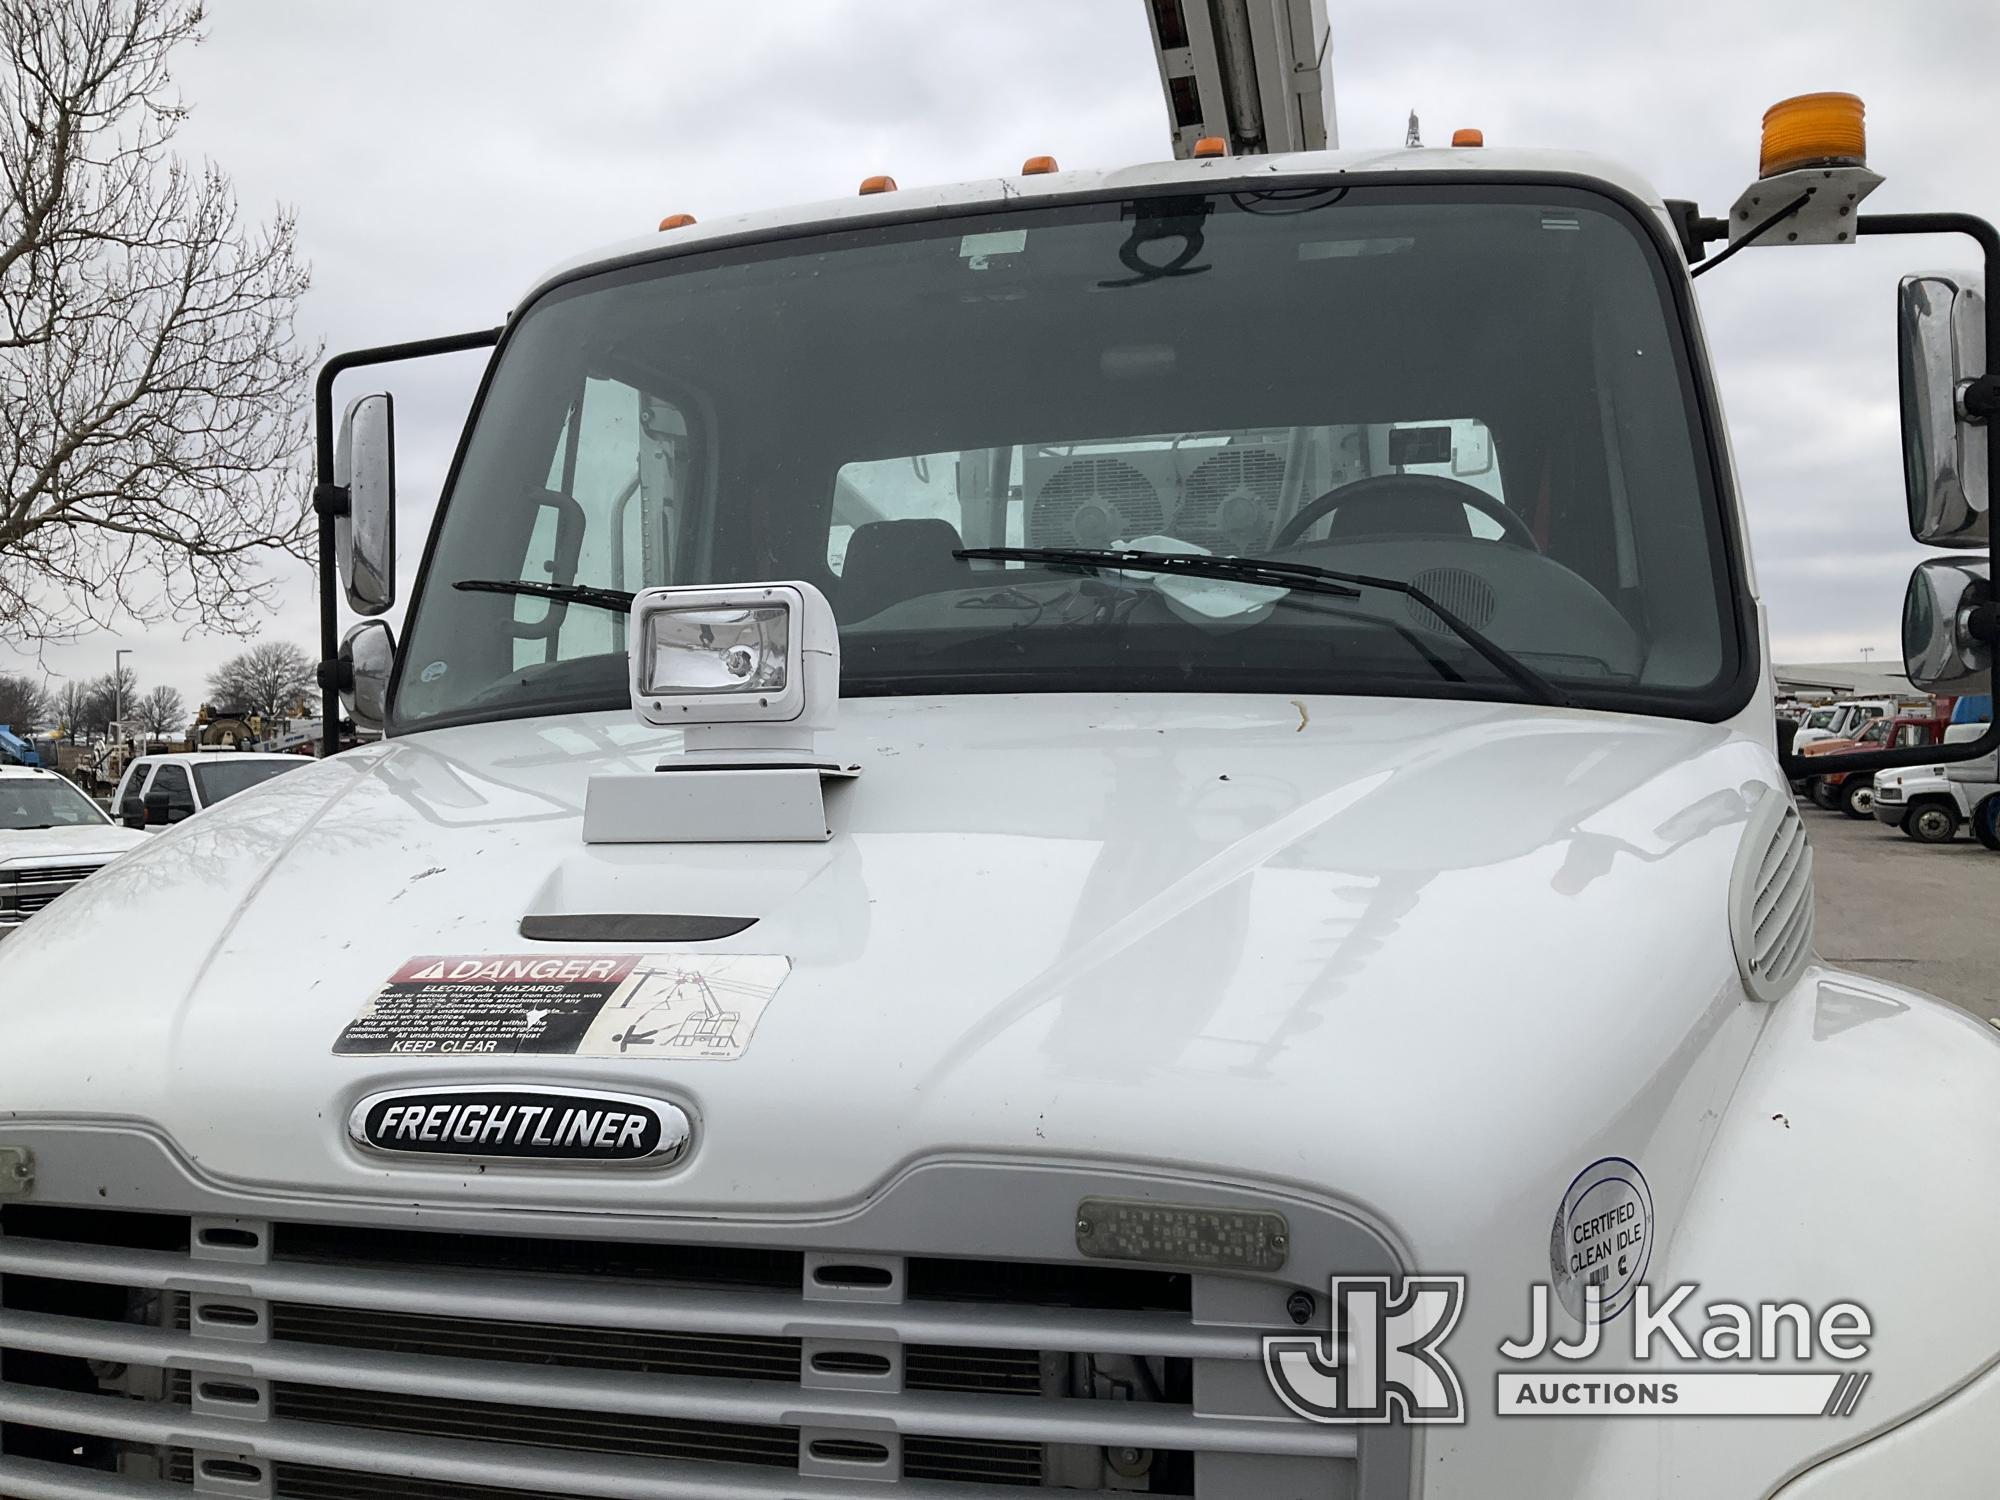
<point>1916,914</point>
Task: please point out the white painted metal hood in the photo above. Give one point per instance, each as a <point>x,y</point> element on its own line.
<point>87,843</point>
<point>1367,948</point>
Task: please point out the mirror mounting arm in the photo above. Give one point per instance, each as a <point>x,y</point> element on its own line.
<point>1979,399</point>
<point>330,499</point>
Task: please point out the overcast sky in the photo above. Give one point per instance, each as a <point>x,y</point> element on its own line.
<point>440,155</point>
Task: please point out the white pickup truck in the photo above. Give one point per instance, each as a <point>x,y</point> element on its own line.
<point>1931,803</point>
<point>992,869</point>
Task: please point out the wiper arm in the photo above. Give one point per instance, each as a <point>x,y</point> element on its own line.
<point>1303,577</point>
<point>617,601</point>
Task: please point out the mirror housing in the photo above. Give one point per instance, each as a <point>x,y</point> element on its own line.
<point>156,809</point>
<point>364,534</point>
<point>367,657</point>
<point>1948,621</point>
<point>1941,348</point>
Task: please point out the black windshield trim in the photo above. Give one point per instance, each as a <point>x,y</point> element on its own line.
<point>1720,501</point>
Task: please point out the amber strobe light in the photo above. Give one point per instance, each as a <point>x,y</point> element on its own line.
<point>1813,130</point>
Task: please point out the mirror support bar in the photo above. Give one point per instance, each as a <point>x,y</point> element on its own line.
<point>330,501</point>
<point>1801,766</point>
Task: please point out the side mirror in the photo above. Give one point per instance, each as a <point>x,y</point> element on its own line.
<point>367,656</point>
<point>133,819</point>
<point>364,539</point>
<point>1941,338</point>
<point>1948,616</point>
<point>156,810</point>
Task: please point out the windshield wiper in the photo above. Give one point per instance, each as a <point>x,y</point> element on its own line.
<point>618,601</point>
<point>1300,576</point>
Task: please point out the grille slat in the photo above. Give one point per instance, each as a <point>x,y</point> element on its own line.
<point>590,1302</point>
<point>590,1398</point>
<point>516,1470</point>
<point>482,1367</point>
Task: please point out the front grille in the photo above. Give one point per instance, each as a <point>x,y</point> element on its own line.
<point>65,874</point>
<point>23,892</point>
<point>314,1362</point>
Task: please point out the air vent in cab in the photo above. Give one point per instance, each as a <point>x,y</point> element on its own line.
<point>1771,897</point>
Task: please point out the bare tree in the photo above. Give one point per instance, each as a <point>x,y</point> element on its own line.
<point>272,678</point>
<point>25,704</point>
<point>160,712</point>
<point>107,696</point>
<point>73,708</point>
<point>151,387</point>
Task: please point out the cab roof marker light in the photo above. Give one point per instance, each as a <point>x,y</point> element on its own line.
<point>676,221</point>
<point>1468,136</point>
<point>880,183</point>
<point>1210,145</point>
<point>1038,166</point>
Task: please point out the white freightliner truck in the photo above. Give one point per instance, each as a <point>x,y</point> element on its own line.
<point>1005,806</point>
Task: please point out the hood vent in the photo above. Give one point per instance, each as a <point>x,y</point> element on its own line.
<point>1771,898</point>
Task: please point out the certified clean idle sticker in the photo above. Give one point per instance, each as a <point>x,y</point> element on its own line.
<point>1602,1237</point>
<point>687,1006</point>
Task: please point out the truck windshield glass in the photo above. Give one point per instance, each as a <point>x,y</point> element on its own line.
<point>45,802</point>
<point>225,778</point>
<point>1480,390</point>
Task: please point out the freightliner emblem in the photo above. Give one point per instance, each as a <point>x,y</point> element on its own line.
<point>574,1126</point>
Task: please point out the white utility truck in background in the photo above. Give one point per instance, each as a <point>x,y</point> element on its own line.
<point>1116,831</point>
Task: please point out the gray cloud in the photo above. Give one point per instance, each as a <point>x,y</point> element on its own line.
<point>441,155</point>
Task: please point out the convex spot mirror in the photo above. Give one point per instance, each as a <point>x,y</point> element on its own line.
<point>364,539</point>
<point>1942,650</point>
<point>367,656</point>
<point>1941,338</point>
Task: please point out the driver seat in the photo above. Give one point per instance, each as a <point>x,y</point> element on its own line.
<point>1399,515</point>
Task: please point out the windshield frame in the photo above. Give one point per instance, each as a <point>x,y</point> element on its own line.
<point>1718,499</point>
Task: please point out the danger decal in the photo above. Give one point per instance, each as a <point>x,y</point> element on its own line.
<point>689,1006</point>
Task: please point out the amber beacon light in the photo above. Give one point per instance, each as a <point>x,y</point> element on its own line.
<point>1813,130</point>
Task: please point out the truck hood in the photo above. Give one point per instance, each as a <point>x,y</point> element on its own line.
<point>1324,942</point>
<point>89,843</point>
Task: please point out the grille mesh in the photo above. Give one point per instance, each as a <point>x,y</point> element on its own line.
<point>1231,498</point>
<point>1464,593</point>
<point>1092,502</point>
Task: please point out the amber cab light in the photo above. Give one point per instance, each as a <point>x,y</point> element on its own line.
<point>1468,137</point>
<point>676,221</point>
<point>877,184</point>
<point>1813,130</point>
<point>1211,145</point>
<point>1038,166</point>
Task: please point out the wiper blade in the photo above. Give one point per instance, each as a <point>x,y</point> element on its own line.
<point>618,601</point>
<point>1300,576</point>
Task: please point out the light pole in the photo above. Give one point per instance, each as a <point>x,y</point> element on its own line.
<point>118,687</point>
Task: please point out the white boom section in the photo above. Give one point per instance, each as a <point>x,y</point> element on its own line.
<point>1255,72</point>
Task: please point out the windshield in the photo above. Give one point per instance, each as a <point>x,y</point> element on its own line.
<point>1481,391</point>
<point>225,778</point>
<point>45,802</point>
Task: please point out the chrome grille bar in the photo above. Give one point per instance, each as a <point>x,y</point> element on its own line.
<point>502,1465</point>
<point>31,1479</point>
<point>1032,1419</point>
<point>579,1300</point>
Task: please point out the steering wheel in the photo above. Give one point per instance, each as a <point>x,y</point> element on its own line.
<point>1513,528</point>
